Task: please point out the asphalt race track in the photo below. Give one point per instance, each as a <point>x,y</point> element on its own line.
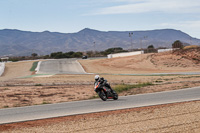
<point>61,66</point>
<point>72,66</point>
<point>20,114</point>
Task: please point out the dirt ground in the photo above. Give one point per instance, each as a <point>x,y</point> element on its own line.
<point>63,88</point>
<point>168,118</point>
<point>36,95</point>
<point>16,69</point>
<point>165,62</point>
<point>20,87</point>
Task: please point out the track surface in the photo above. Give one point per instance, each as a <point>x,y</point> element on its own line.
<point>72,66</point>
<point>61,66</point>
<point>88,106</point>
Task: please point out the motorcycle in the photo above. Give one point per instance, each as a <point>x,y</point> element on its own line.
<point>104,91</point>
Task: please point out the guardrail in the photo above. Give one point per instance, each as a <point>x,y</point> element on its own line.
<point>164,50</point>
<point>2,67</point>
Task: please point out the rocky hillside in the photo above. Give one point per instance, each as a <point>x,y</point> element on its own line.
<point>182,59</point>
<point>16,42</point>
<point>192,54</point>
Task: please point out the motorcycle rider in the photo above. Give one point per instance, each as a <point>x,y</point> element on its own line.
<point>96,83</point>
<point>99,82</point>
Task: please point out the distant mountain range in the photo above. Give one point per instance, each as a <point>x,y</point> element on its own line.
<point>21,43</point>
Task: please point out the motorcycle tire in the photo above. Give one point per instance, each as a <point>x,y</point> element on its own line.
<point>115,96</point>
<point>102,96</point>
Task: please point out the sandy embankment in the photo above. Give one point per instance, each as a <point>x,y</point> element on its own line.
<point>16,69</point>
<point>147,63</point>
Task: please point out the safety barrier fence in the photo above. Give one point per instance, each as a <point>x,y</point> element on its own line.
<point>125,54</point>
<point>2,67</point>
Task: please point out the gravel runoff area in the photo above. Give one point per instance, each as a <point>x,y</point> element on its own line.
<point>171,118</point>
<point>64,88</point>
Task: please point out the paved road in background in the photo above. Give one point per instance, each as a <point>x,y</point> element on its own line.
<point>61,66</point>
<point>72,66</point>
<point>19,114</point>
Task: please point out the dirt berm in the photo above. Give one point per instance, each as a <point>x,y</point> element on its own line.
<point>184,60</point>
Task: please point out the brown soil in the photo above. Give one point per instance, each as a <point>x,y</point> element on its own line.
<point>184,117</point>
<point>40,92</point>
<point>16,69</point>
<point>176,117</point>
<point>177,61</point>
<point>192,54</point>
<point>15,91</point>
<point>36,95</point>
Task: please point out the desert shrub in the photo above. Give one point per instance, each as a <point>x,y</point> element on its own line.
<point>125,87</point>
<point>177,44</point>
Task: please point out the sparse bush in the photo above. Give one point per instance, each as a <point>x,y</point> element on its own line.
<point>71,54</point>
<point>177,44</point>
<point>150,47</point>
<point>38,84</point>
<point>45,102</point>
<point>113,50</point>
<point>125,87</point>
<point>34,55</point>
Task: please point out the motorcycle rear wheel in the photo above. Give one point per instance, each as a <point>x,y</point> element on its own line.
<point>115,95</point>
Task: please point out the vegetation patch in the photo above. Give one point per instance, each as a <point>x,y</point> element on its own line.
<point>94,96</point>
<point>38,84</point>
<point>45,102</point>
<point>125,87</point>
<point>6,89</point>
<point>34,66</point>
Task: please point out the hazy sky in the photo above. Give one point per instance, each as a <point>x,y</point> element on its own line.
<point>70,16</point>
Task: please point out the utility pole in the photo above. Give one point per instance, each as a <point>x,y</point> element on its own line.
<point>130,35</point>
<point>144,37</point>
<point>94,49</point>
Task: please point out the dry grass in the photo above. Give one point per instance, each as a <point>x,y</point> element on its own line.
<point>36,95</point>
<point>191,47</point>
<point>69,88</point>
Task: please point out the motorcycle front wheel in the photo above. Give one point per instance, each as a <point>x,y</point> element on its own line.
<point>102,95</point>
